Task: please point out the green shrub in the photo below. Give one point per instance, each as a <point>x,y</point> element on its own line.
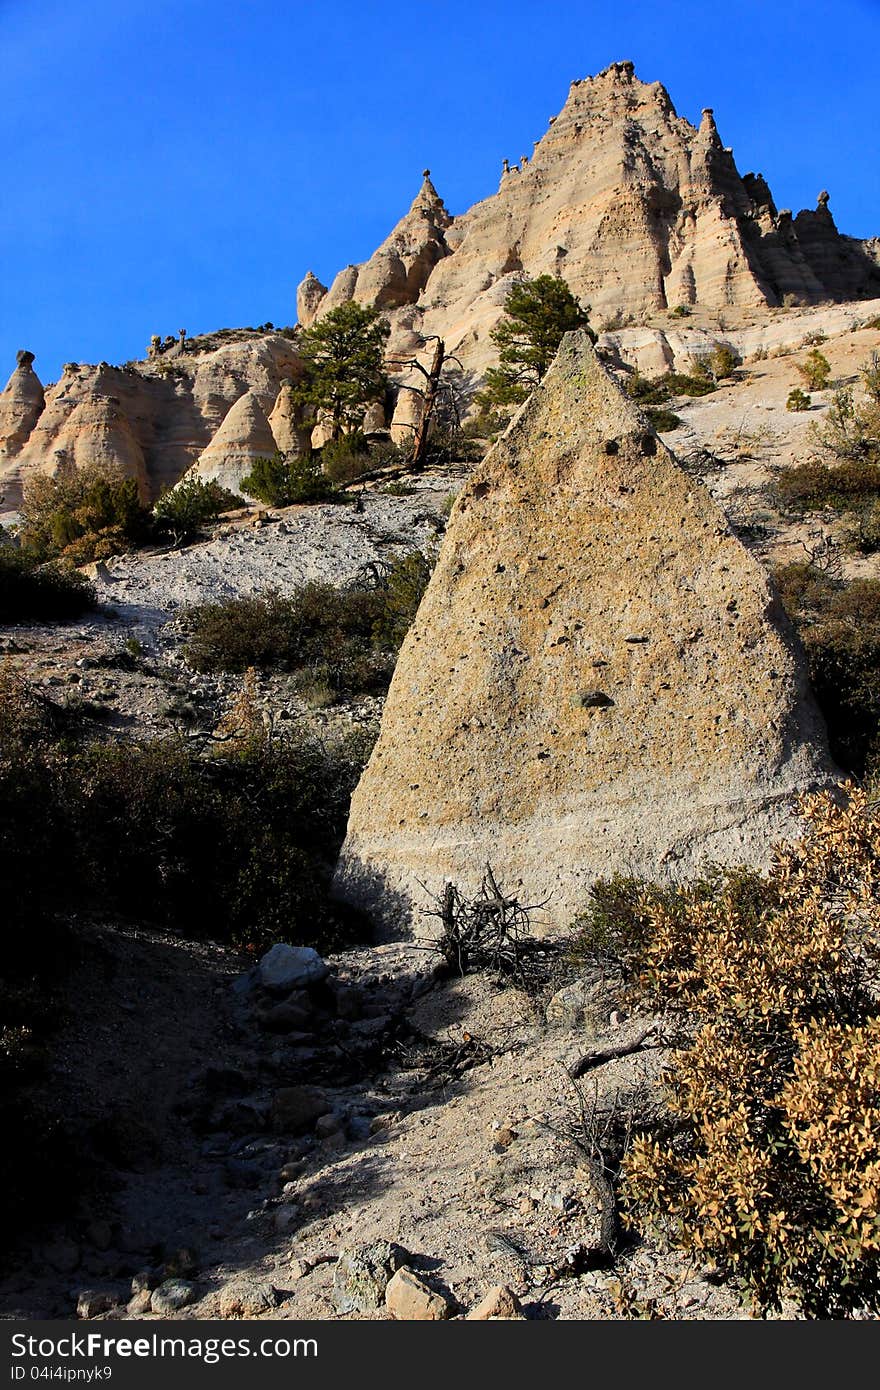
<point>770,1172</point>
<point>662,420</point>
<point>32,592</point>
<point>723,361</point>
<point>165,832</point>
<point>347,458</point>
<point>815,370</point>
<point>681,311</point>
<point>342,639</point>
<point>657,390</point>
<point>284,480</point>
<point>82,514</point>
<point>798,400</point>
<point>839,625</point>
<point>194,502</point>
<point>815,486</point>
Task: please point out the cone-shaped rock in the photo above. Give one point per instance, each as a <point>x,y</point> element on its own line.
<point>244,436</point>
<point>599,678</point>
<point>309,294</point>
<point>21,405</point>
<point>291,432</point>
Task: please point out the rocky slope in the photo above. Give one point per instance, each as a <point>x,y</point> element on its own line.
<point>152,419</point>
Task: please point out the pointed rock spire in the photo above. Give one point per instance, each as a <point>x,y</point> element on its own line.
<point>244,436</point>
<point>21,405</point>
<point>599,677</point>
<point>309,294</point>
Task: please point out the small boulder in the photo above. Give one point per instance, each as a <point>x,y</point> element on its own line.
<point>500,1302</point>
<point>328,1124</point>
<point>284,968</point>
<point>90,1303</point>
<point>296,1108</point>
<point>246,1298</point>
<point>171,1296</point>
<point>362,1275</point>
<point>409,1299</point>
<point>139,1304</point>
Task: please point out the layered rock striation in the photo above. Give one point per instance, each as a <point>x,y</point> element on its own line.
<point>638,210</point>
<point>599,679</point>
<point>154,419</point>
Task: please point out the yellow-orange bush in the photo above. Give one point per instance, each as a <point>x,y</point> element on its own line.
<point>773,1168</point>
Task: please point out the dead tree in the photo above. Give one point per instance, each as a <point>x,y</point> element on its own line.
<point>434,389</point>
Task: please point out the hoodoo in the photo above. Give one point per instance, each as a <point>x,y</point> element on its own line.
<point>600,678</point>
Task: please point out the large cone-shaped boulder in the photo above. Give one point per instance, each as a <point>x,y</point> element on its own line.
<point>599,678</point>
<point>244,436</point>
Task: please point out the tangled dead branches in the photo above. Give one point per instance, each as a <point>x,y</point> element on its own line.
<point>489,932</point>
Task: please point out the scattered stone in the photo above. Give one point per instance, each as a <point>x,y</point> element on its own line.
<point>287,1017</point>
<point>140,1304</point>
<point>284,968</point>
<point>246,1298</point>
<point>575,1006</point>
<point>329,1124</point>
<point>285,1217</point>
<point>500,1302</point>
<point>171,1296</point>
<point>409,1299</point>
<point>299,1268</point>
<point>362,1275</point>
<point>183,1264</point>
<point>91,1303</point>
<point>144,1281</point>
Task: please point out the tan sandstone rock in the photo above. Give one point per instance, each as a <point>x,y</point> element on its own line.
<point>244,436</point>
<point>21,405</point>
<point>636,208</point>
<point>409,1299</point>
<point>599,678</point>
<point>499,1303</point>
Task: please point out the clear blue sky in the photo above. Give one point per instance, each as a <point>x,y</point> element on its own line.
<point>182,163</point>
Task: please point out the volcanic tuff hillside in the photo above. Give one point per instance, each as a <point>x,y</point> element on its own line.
<point>636,209</point>
<point>639,211</point>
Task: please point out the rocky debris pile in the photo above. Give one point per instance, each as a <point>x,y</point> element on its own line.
<point>610,679</point>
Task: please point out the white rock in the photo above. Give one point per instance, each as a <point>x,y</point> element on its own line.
<point>286,967</point>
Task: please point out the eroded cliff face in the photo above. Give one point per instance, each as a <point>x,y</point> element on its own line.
<point>599,678</point>
<point>633,206</point>
<point>152,419</point>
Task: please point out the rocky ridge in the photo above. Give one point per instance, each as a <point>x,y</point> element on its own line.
<point>635,208</point>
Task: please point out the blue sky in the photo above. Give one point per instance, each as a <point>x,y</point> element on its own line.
<point>182,163</point>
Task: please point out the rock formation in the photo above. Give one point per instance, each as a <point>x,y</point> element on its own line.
<point>397,273</point>
<point>244,436</point>
<point>308,298</point>
<point>633,206</point>
<point>21,405</point>
<point>599,677</point>
<point>152,419</point>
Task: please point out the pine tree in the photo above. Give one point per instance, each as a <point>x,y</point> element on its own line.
<point>537,314</point>
<point>342,357</point>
